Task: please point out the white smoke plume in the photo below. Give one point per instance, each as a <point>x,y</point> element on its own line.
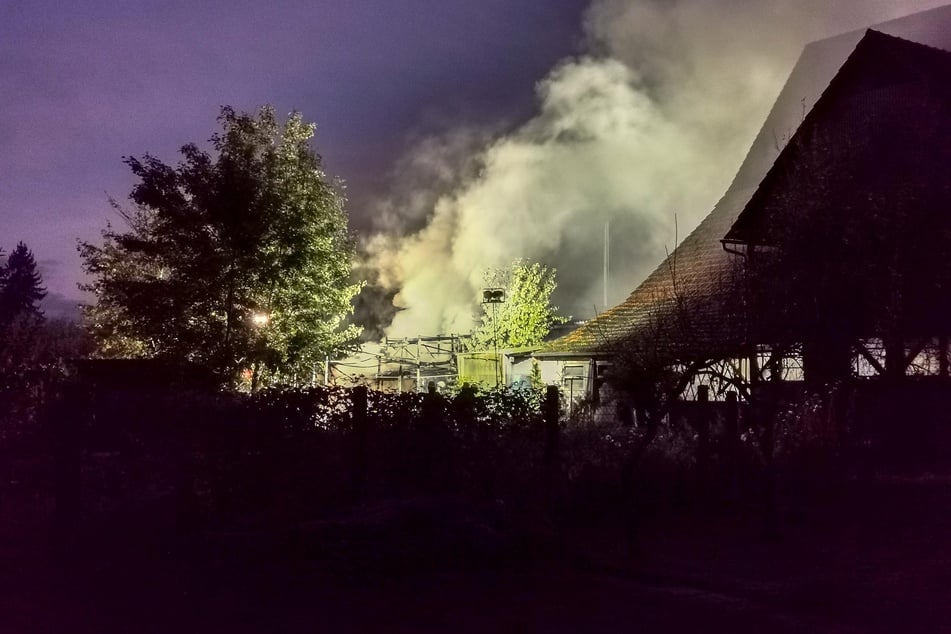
<point>651,123</point>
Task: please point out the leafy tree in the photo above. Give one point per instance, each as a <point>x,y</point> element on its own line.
<point>526,315</point>
<point>239,261</point>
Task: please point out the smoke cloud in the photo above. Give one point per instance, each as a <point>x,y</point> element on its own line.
<point>649,124</point>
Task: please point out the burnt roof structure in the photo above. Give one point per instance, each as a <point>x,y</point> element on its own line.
<point>700,270</point>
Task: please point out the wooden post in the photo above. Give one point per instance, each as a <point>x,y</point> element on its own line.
<point>766,404</point>
<point>66,420</point>
<point>358,398</point>
<point>550,410</point>
<point>943,356</point>
<point>733,442</point>
<point>702,426</point>
<point>894,357</point>
<point>435,465</point>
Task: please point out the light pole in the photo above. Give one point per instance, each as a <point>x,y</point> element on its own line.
<point>495,296</point>
<point>259,320</point>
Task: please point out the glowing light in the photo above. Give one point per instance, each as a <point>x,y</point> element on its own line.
<point>260,319</point>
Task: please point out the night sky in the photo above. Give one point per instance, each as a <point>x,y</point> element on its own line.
<point>84,83</point>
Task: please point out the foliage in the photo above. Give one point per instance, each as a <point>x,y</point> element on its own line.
<point>239,262</point>
<point>526,316</point>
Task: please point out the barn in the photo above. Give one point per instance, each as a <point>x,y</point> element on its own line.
<point>842,188</point>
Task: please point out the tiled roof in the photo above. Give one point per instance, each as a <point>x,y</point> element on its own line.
<point>699,269</point>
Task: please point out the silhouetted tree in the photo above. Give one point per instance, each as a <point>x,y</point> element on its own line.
<point>21,290</point>
<point>239,261</point>
<point>21,286</point>
<point>21,321</point>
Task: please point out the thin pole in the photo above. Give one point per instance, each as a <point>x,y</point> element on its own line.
<point>495,345</point>
<point>327,369</point>
<point>607,257</point>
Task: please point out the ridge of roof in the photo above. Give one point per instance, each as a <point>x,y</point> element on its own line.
<point>872,34</point>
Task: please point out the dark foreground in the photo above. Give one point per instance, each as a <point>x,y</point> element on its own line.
<point>873,557</point>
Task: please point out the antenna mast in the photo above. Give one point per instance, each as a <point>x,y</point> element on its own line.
<point>607,256</point>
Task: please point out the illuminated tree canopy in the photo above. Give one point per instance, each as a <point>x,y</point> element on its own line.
<point>526,315</point>
<point>239,260</point>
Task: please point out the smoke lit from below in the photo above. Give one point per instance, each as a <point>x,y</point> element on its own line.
<point>649,127</point>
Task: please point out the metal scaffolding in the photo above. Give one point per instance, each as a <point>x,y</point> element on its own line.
<point>399,364</point>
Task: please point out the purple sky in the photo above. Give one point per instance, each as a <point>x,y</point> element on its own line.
<point>84,83</point>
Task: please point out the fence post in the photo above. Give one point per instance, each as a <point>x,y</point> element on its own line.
<point>765,410</point>
<point>67,416</point>
<point>550,411</point>
<point>358,399</point>
<point>702,426</point>
<point>434,443</point>
<point>943,356</point>
<point>733,443</point>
